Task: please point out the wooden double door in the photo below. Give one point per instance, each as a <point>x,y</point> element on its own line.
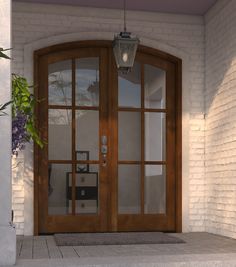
<point>110,160</point>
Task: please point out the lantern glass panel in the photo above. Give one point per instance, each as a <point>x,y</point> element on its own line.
<point>124,51</point>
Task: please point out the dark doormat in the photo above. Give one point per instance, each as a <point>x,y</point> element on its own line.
<point>124,238</point>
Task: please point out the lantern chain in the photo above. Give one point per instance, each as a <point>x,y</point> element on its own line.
<point>124,15</point>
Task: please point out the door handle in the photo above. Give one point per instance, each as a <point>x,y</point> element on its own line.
<point>104,150</point>
<point>104,155</point>
<point>104,160</point>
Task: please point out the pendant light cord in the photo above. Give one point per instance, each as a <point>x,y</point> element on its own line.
<point>124,15</point>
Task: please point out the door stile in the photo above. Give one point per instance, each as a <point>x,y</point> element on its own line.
<point>103,131</point>
<point>113,131</point>
<point>73,138</point>
<point>142,140</point>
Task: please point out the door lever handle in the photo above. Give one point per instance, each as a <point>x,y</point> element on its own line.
<point>104,160</point>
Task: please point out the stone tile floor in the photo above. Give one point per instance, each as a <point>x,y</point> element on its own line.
<point>200,250</point>
<point>44,247</point>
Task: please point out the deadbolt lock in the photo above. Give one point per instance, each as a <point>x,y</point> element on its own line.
<point>104,149</point>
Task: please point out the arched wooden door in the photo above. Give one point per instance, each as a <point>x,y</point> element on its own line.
<point>112,159</point>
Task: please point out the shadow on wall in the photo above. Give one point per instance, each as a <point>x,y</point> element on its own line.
<point>220,127</point>
<point>22,197</point>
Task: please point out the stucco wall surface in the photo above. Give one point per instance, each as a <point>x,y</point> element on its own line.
<point>183,35</point>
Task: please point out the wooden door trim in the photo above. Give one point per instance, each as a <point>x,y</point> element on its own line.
<point>178,115</point>
<point>36,150</point>
<point>144,222</point>
<point>102,43</point>
<point>113,142</point>
<point>103,130</point>
<point>178,133</point>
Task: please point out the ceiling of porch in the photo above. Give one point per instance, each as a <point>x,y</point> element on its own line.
<point>189,7</point>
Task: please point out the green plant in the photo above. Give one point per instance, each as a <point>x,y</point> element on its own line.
<point>23,118</point>
<point>2,54</point>
<point>4,106</point>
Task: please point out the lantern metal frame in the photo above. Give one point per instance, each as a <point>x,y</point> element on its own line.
<point>124,48</point>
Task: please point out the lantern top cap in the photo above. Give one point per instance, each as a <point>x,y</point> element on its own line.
<point>126,36</point>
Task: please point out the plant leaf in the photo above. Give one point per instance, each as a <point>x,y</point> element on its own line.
<point>3,55</point>
<point>3,107</point>
<point>23,104</point>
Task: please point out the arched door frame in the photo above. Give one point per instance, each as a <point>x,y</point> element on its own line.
<point>178,116</point>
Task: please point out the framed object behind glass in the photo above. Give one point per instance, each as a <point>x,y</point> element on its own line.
<point>82,155</point>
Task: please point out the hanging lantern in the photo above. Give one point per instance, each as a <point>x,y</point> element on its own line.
<point>124,48</point>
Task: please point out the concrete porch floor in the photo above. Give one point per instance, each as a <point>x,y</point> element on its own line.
<point>200,249</point>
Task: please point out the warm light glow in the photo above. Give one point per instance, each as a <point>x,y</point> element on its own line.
<point>125,57</point>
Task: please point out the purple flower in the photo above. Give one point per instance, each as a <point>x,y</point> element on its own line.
<point>19,133</point>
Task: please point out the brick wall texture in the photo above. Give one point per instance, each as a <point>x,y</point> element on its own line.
<point>215,194</point>
<point>220,126</point>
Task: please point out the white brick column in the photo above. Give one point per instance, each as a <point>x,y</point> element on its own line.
<point>7,232</point>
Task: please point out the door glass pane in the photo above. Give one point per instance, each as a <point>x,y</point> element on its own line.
<point>60,83</point>
<point>59,128</point>
<point>87,82</point>
<point>155,189</point>
<point>58,202</point>
<point>87,191</point>
<point>129,127</point>
<point>130,88</point>
<point>87,133</point>
<point>155,136</point>
<point>155,87</point>
<point>129,189</point>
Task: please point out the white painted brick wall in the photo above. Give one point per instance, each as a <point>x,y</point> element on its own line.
<point>220,95</point>
<point>18,193</point>
<point>32,22</point>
